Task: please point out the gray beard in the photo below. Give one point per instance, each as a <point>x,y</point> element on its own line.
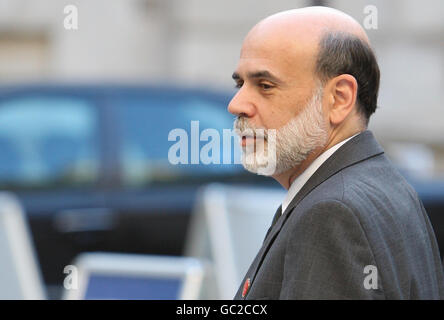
<point>294,142</point>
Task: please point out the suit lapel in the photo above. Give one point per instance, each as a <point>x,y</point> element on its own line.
<point>255,262</point>
<point>359,148</point>
<point>276,216</point>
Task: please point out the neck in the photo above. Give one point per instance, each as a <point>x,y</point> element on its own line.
<point>286,178</point>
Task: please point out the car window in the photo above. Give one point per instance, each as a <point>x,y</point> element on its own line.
<point>47,142</point>
<point>145,123</point>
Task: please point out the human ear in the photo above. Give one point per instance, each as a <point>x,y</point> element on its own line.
<point>343,90</point>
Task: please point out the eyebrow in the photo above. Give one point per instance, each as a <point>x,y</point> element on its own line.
<point>267,75</point>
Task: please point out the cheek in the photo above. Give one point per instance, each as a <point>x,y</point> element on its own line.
<point>284,108</point>
<point>288,109</point>
<point>277,110</point>
<point>275,117</point>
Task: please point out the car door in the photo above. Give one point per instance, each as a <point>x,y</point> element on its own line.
<point>155,198</point>
<point>51,156</point>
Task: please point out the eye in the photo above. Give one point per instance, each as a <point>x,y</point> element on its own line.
<point>238,84</point>
<point>265,86</point>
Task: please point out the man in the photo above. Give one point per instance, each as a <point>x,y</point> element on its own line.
<point>351,227</point>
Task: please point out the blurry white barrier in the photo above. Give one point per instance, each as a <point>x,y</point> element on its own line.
<point>133,277</point>
<point>228,227</point>
<point>20,277</point>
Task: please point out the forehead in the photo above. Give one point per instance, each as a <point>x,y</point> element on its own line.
<point>278,52</point>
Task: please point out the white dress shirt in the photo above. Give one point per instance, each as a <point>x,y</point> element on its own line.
<point>299,182</point>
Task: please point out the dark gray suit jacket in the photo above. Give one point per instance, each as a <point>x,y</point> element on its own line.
<point>355,211</point>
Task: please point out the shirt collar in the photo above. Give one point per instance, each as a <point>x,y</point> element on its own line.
<point>299,182</point>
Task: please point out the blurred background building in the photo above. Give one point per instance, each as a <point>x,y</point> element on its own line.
<point>197,42</point>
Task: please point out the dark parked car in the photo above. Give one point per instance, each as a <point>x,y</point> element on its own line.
<point>431,193</point>
<point>90,165</point>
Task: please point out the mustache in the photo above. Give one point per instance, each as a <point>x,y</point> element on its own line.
<point>243,129</point>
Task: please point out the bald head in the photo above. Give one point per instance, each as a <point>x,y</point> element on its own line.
<point>301,30</point>
<point>309,23</point>
<point>317,43</point>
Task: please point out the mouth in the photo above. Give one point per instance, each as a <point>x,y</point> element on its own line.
<point>249,140</point>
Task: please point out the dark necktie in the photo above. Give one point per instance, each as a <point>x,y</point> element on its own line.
<point>275,219</point>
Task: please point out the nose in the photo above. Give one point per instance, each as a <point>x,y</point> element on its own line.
<point>241,104</point>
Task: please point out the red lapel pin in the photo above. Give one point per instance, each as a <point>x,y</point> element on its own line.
<point>246,287</point>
